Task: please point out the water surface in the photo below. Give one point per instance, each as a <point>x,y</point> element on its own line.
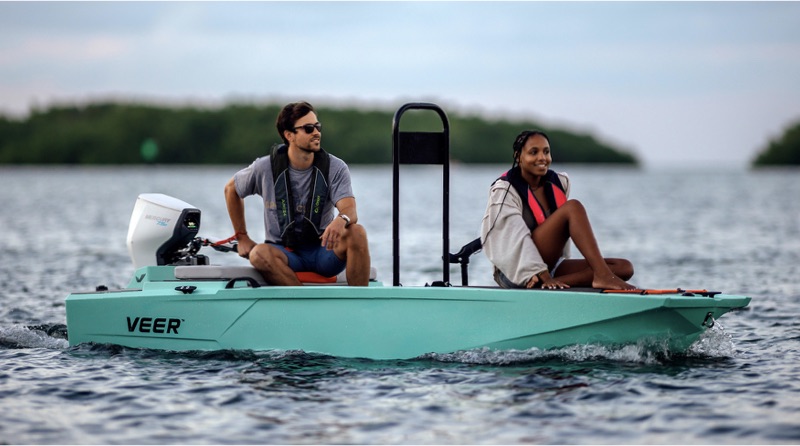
<point>733,231</point>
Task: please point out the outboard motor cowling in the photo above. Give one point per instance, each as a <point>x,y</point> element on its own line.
<point>161,229</point>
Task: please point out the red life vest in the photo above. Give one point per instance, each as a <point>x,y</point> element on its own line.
<point>532,211</point>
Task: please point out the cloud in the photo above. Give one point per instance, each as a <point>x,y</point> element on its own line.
<point>632,71</point>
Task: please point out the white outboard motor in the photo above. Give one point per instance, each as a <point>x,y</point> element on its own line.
<point>162,230</point>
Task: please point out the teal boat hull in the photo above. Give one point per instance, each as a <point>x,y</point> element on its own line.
<point>378,322</point>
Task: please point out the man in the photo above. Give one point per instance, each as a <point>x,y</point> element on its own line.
<point>300,184</point>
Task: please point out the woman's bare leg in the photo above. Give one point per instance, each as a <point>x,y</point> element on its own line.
<point>577,273</point>
<point>571,221</point>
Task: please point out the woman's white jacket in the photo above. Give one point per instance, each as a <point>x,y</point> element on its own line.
<point>506,238</point>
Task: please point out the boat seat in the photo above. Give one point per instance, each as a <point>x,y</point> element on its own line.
<point>224,272</point>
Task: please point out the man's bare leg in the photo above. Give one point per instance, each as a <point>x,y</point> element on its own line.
<point>272,263</point>
<point>354,247</point>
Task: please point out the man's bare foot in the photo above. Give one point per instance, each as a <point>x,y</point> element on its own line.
<point>611,283</point>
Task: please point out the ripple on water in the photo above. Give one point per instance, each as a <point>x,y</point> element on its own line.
<point>737,385</point>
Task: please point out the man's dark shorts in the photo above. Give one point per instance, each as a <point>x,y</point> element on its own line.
<point>313,258</point>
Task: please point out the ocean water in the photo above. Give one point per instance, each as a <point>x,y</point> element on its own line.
<point>733,230</point>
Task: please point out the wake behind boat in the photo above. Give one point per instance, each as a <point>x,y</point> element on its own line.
<point>177,301</point>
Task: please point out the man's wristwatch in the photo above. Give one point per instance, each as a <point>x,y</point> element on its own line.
<point>346,220</point>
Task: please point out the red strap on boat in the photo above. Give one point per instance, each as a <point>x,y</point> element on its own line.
<point>654,292</point>
<point>227,240</point>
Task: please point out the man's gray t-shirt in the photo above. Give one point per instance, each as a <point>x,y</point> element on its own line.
<point>257,179</point>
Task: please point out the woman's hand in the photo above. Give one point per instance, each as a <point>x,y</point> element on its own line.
<point>553,284</point>
<point>546,282</point>
<point>531,283</point>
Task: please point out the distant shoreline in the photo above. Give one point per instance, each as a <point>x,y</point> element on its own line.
<point>129,133</point>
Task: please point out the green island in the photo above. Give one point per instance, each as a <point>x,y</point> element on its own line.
<point>783,151</point>
<point>132,133</point>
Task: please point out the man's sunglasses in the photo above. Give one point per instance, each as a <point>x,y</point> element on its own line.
<point>309,128</point>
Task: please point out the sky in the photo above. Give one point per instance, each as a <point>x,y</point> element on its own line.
<point>675,83</point>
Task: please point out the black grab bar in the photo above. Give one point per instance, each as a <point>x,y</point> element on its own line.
<point>421,148</point>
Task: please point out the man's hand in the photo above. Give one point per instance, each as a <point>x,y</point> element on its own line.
<point>333,233</point>
<point>245,245</point>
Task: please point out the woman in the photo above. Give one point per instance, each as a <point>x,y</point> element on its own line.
<point>529,221</point>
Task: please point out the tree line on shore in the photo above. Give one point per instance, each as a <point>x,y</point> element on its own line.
<point>781,151</point>
<point>131,133</point>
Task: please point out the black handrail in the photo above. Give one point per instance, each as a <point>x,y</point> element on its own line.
<point>421,148</point>
<point>462,258</point>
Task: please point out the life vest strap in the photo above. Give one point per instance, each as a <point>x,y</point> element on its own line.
<point>532,211</point>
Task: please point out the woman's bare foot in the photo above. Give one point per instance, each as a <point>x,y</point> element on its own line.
<point>611,282</point>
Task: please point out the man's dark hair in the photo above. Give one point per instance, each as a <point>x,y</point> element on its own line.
<point>289,115</point>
